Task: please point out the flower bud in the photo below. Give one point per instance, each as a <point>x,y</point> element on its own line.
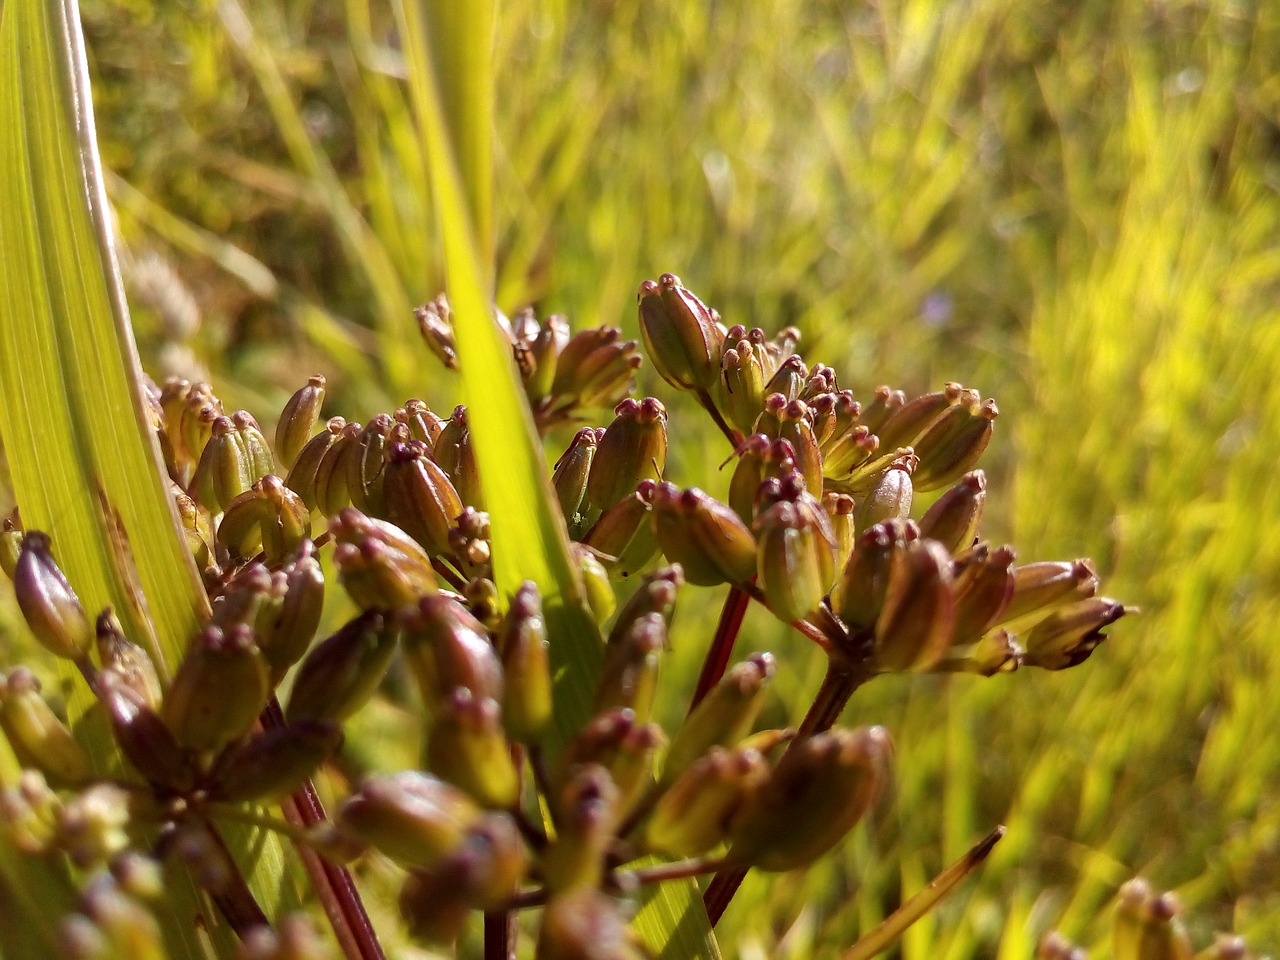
<point>48,604</point>
<point>457,458</point>
<point>622,537</point>
<point>143,737</point>
<point>128,661</point>
<point>853,450</point>
<point>818,791</point>
<point>298,420</point>
<point>633,449</point>
<point>466,747</point>
<point>446,647</point>
<point>953,444</point>
<point>680,334</point>
<point>741,386</point>
<point>365,465</point>
<point>218,691</point>
<point>916,621</point>
<point>622,745</point>
<point>859,595</point>
<point>796,557</point>
<point>419,497</point>
<point>306,464</point>
<point>38,738</point>
<point>906,424</point>
<point>1069,634</point>
<point>378,563</point>
<point>570,476</point>
<point>629,677</point>
<point>588,816</point>
<point>286,627</point>
<point>340,675</point>
<point>1039,587</point>
<point>953,518</point>
<point>725,715</point>
<point>586,924</point>
<point>1162,935</point>
<point>414,818</point>
<point>788,379</point>
<point>233,459</point>
<point>694,813</point>
<point>273,764</point>
<point>522,644</point>
<point>707,539</point>
<point>595,369</point>
<point>435,324</point>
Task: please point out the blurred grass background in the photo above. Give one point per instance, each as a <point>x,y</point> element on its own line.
<point>1070,205</point>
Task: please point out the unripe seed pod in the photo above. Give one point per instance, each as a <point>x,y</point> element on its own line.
<point>240,529</point>
<point>633,449</point>
<point>38,738</point>
<point>446,647</point>
<point>657,594</point>
<point>340,675</point>
<point>457,458</point>
<point>725,715</point>
<point>551,338</point>
<point>219,690</point>
<point>693,815</point>
<point>195,428</point>
<point>622,537</point>
<point>143,737</point>
<point>336,468</point>
<point>128,661</point>
<point>953,518</point>
<point>424,426</point>
<point>30,812</point>
<point>378,563</point>
<point>982,587</point>
<point>250,437</point>
<point>788,420</point>
<point>196,529</point>
<point>954,443</point>
<point>523,647</point>
<point>759,459</point>
<point>796,557</point>
<point>306,465</point>
<point>419,496</point>
<point>1069,634</point>
<point>285,629</point>
<point>889,497</point>
<point>741,386</point>
<point>788,379</point>
<point>467,748</point>
<point>597,589</point>
<point>414,818</point>
<point>48,604</point>
<point>1040,587</point>
<point>589,812</point>
<point>629,677</point>
<point>906,424</point>
<point>885,401</point>
<point>596,368</point>
<point>849,451</point>
<point>682,338</point>
<point>918,616</point>
<point>817,792</point>
<point>839,509</point>
<point>435,323</point>
<point>570,476</point>
<point>624,746</point>
<point>585,923</point>
<point>298,420</point>
<point>859,594</point>
<point>275,763</point>
<point>365,465</point>
<point>707,539</point>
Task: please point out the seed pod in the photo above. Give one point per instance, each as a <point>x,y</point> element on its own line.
<point>196,427</point>
<point>657,594</point>
<point>1040,587</point>
<point>954,443</point>
<point>859,594</point>
<point>128,661</point>
<point>435,323</point>
<point>241,526</point>
<point>1069,634</point>
<point>889,497</point>
<point>293,938</point>
<point>849,451</point>
<point>982,587</point>
<point>596,588</point>
<point>48,604</point>
<point>522,644</point>
<point>30,812</point>
<point>629,677</point>
<point>335,470</point>
<point>588,816</point>
<point>788,420</point>
<point>839,509</point>
<point>595,369</point>
<point>906,424</point>
<point>414,818</point>
<point>143,737</point>
<point>693,815</point>
<point>457,458</point>
<point>365,465</point>
<point>622,537</point>
<point>759,459</point>
<point>286,628</point>
<point>681,336</point>
<point>424,426</point>
<point>916,622</point>
<point>10,546</point>
<point>788,379</point>
<point>885,401</point>
<point>298,420</point>
<point>741,386</point>
<point>340,675</point>
<point>725,715</point>
<point>467,748</point>
<point>583,924</point>
<point>93,829</point>
<point>796,557</point>
<point>196,529</point>
<point>550,338</point>
<point>1163,936</point>
<point>633,449</point>
<point>446,647</point>
<point>38,738</point>
<point>817,792</point>
<point>704,536</point>
<point>419,496</point>
<point>378,563</point>
<point>953,518</point>
<point>570,476</point>
<point>622,745</point>
<point>1054,946</point>
<point>225,469</point>
<point>306,465</point>
<point>275,763</point>
<point>218,691</point>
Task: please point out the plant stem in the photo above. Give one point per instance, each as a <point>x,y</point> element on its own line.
<point>678,870</point>
<point>897,922</point>
<point>500,935</point>
<point>234,900</point>
<point>704,398</point>
<point>841,680</point>
<point>721,649</point>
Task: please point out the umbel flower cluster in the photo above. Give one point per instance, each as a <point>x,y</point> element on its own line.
<point>820,527</point>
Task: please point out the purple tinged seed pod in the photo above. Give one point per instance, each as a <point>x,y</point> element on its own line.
<point>983,584</point>
<point>657,594</point>
<point>38,738</point>
<point>423,425</point>
<point>306,464</point>
<point>953,518</point>
<point>446,647</point>
<point>1040,587</point>
<point>143,736</point>
<point>1069,634</point>
<point>906,424</point>
<point>219,689</point>
<point>633,449</point>
<point>419,496</point>
<point>839,509</point>
<point>725,715</point>
<point>741,391</point>
<point>585,923</point>
<point>680,334</point>
<point>47,601</point>
<point>523,648</point>
<point>693,815</point>
<point>796,561</point>
<point>789,379</point>
<point>414,818</point>
<point>365,466</point>
<point>569,478</point>
<point>588,812</point>
<point>435,324</point>
<point>595,368</point>
<point>467,748</point>
<point>889,497</point>
<point>704,536</point>
<point>548,342</point>
<point>629,676</point>
<point>457,457</point>
<point>622,537</point>
<point>954,443</point>
<point>286,628</point>
<point>916,622</point>
<point>378,563</point>
<point>884,402</point>
<point>860,591</point>
<point>298,419</point>
<point>274,763</point>
<point>126,660</point>
<point>335,470</point>
<point>620,743</point>
<point>339,676</point>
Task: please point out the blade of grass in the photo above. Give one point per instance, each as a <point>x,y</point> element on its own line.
<point>529,535</point>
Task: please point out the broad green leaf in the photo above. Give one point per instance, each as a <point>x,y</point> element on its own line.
<point>73,416</point>
<point>529,536</point>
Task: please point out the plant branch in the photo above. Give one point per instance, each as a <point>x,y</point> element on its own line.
<point>500,935</point>
<point>721,648</point>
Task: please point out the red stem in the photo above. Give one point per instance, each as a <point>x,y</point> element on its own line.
<point>721,649</point>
